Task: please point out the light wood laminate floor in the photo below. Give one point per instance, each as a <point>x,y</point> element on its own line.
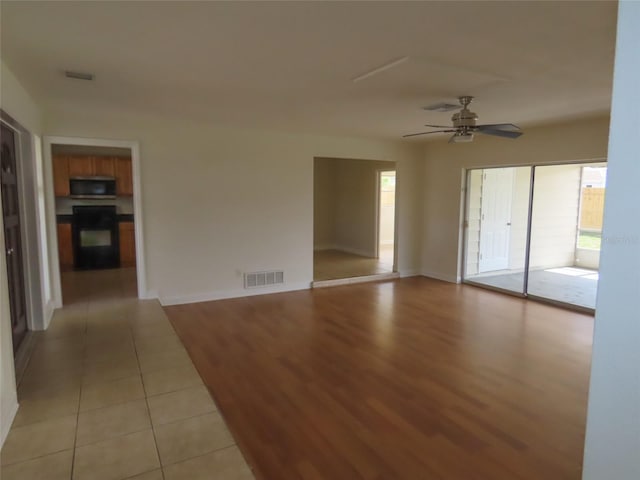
<point>410,379</point>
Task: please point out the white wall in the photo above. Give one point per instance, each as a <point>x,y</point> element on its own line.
<point>555,216</point>
<point>556,203</point>
<point>17,102</point>
<point>445,164</point>
<point>613,418</point>
<point>218,202</point>
<point>588,258</point>
<point>324,200</point>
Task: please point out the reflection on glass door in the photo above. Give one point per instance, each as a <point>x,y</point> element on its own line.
<point>496,233</point>
<point>568,206</point>
<point>557,258</point>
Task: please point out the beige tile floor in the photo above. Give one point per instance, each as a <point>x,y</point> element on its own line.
<point>110,393</point>
<point>333,264</point>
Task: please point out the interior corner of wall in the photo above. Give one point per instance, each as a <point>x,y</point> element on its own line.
<point>48,311</point>
<point>151,295</point>
<point>440,276</point>
<point>410,272</point>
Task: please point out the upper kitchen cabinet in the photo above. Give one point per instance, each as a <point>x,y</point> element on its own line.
<point>124,176</point>
<point>68,166</point>
<point>80,166</point>
<point>104,166</point>
<point>61,175</point>
<point>84,166</point>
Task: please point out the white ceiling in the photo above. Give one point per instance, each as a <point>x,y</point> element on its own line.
<point>289,66</point>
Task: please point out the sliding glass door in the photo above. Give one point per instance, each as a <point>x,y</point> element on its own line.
<point>535,231</point>
<point>496,233</point>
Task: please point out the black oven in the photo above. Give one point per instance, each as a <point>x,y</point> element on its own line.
<point>92,187</point>
<point>96,242</point>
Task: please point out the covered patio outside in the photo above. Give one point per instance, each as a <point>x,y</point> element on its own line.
<point>565,238</point>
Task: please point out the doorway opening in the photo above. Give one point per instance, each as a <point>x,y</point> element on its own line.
<point>354,219</point>
<point>386,216</point>
<point>96,217</point>
<point>535,231</point>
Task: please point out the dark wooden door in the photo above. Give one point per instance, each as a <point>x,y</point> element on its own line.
<point>12,240</point>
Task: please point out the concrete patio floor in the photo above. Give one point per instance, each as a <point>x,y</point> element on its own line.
<point>576,286</point>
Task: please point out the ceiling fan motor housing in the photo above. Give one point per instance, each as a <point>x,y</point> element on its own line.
<point>464,119</point>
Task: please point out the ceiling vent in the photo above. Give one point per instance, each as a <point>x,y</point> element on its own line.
<point>441,107</point>
<point>263,279</point>
<point>79,75</point>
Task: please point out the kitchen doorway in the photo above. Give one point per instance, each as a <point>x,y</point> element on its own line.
<point>96,215</point>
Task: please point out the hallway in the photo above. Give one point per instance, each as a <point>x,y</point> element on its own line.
<point>110,393</point>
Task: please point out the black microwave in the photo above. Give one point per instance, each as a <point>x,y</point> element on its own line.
<point>92,187</point>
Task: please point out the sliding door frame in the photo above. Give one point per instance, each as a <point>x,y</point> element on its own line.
<point>465,222</point>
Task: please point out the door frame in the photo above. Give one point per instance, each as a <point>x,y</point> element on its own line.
<point>134,146</point>
<point>21,276</point>
<point>464,229</point>
<point>32,239</point>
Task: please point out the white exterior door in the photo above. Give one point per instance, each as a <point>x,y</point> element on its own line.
<point>495,219</point>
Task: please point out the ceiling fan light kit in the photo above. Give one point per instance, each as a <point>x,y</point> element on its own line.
<point>461,138</point>
<point>465,125</point>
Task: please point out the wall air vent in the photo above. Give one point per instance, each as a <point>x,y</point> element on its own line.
<point>79,75</point>
<point>263,279</point>
<point>441,107</point>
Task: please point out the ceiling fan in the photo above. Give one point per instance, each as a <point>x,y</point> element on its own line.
<point>464,126</point>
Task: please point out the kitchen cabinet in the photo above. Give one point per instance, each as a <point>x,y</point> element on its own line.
<point>127,244</point>
<point>80,166</point>
<point>103,166</point>
<point>65,247</point>
<point>61,176</point>
<point>66,166</point>
<point>124,176</point>
<point>85,166</point>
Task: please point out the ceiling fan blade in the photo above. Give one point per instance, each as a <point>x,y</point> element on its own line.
<point>497,133</point>
<point>426,133</point>
<point>505,127</point>
<point>439,126</point>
